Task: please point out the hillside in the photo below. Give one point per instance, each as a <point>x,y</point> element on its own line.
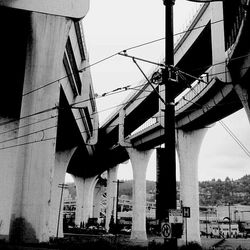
<point>214,192</point>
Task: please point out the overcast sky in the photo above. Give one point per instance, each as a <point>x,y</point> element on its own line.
<point>115,25</point>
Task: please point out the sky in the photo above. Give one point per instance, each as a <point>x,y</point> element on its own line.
<point>115,25</point>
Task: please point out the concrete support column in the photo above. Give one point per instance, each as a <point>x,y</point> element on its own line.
<point>37,142</point>
<point>244,98</point>
<point>58,177</point>
<point>84,195</point>
<point>111,194</point>
<point>188,148</point>
<point>8,134</point>
<point>98,194</point>
<point>139,161</point>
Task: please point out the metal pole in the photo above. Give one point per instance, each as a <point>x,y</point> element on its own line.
<point>229,220</point>
<point>59,213</point>
<point>117,201</point>
<point>206,224</point>
<point>116,212</point>
<point>169,118</point>
<point>186,230</point>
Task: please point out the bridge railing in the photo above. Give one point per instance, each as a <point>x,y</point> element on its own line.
<point>197,88</point>
<point>185,98</point>
<point>150,122</point>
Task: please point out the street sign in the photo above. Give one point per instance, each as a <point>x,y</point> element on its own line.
<point>186,212</point>
<point>175,216</point>
<point>166,230</point>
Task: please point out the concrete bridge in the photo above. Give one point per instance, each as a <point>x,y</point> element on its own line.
<point>212,61</point>
<point>44,134</point>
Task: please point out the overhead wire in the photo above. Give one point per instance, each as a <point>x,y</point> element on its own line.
<point>229,131</point>
<point>128,87</point>
<point>58,80</point>
<point>82,132</point>
<point>117,53</point>
<point>114,91</point>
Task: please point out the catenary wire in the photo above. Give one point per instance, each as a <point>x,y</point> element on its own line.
<point>105,94</point>
<point>111,56</point>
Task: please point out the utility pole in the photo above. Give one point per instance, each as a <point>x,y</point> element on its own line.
<point>229,217</point>
<point>117,200</point>
<point>169,118</point>
<point>62,186</point>
<point>168,173</point>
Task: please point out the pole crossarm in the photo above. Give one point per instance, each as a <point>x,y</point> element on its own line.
<point>154,89</point>
<point>124,53</point>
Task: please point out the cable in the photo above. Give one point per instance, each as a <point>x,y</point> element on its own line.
<point>111,56</point>
<point>228,130</point>
<point>126,88</point>
<point>104,94</point>
<point>27,116</point>
<point>84,132</point>
<point>112,107</point>
<point>235,138</point>
<point>26,143</point>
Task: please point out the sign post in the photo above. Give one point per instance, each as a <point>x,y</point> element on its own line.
<point>186,214</point>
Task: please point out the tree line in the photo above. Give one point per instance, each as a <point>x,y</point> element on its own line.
<point>212,193</point>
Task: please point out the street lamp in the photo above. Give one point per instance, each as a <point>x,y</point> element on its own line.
<point>117,200</point>
<point>62,186</point>
<point>229,216</point>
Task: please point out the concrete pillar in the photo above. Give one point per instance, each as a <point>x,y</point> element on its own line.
<point>98,194</point>
<point>188,148</point>
<point>36,153</point>
<point>111,194</point>
<point>58,177</point>
<point>84,198</point>
<point>139,161</point>
<point>244,98</point>
<point>8,134</point>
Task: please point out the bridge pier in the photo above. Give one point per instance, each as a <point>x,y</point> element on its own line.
<point>36,151</point>
<point>139,161</point>
<point>8,168</point>
<point>61,164</point>
<point>85,198</point>
<point>111,194</point>
<point>243,94</point>
<point>188,148</point>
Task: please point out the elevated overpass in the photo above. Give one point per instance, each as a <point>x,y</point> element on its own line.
<point>211,61</point>
<point>212,50</point>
